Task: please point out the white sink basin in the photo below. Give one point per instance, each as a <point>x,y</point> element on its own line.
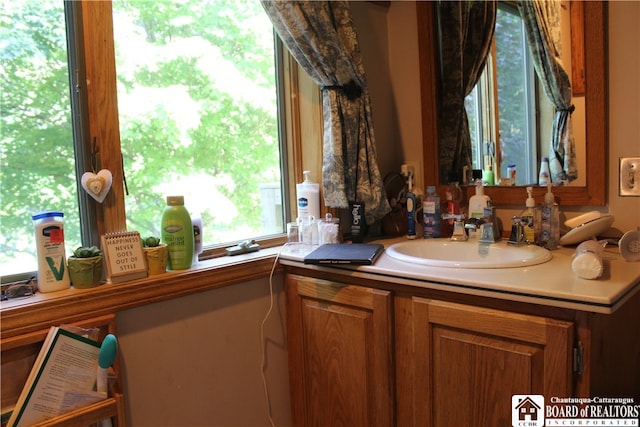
<point>470,254</point>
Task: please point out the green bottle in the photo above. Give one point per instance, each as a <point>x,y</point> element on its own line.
<point>177,233</point>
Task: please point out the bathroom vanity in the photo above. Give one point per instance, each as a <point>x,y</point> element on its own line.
<point>403,344</point>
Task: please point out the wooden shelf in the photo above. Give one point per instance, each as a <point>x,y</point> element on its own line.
<point>18,355</point>
<point>113,408</point>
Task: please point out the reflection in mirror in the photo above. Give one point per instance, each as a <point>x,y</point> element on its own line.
<point>504,134</point>
<point>497,54</point>
<point>590,189</point>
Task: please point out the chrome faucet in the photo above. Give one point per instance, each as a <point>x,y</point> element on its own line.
<point>487,224</point>
<point>517,238</point>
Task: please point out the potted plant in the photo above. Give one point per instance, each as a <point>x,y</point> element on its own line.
<point>85,267</point>
<point>156,255</point>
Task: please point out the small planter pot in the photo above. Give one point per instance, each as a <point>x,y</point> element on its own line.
<point>156,258</point>
<point>85,272</point>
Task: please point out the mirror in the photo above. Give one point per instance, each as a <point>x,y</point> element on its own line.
<point>591,194</point>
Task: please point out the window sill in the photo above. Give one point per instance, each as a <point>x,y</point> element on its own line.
<point>43,310</point>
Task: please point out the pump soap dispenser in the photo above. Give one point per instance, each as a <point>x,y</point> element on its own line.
<point>549,221</point>
<point>308,198</point>
<point>529,218</point>
<point>478,202</point>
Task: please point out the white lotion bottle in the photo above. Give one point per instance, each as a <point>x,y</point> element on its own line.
<point>196,222</point>
<point>478,202</point>
<point>545,177</point>
<point>308,198</point>
<point>53,274</point>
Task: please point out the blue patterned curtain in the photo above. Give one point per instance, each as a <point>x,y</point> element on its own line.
<point>466,31</point>
<point>542,24</point>
<point>322,38</point>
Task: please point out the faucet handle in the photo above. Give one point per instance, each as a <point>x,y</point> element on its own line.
<point>459,233</point>
<point>457,217</point>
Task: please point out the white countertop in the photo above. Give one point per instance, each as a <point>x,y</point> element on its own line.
<point>552,283</point>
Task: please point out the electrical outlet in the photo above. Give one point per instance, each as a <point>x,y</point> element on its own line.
<point>629,176</point>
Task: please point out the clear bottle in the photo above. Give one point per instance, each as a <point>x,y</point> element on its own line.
<point>454,197</point>
<point>53,274</point>
<point>549,221</point>
<point>177,233</point>
<point>431,213</point>
<point>454,203</point>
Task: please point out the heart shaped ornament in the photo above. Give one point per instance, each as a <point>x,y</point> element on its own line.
<point>97,185</point>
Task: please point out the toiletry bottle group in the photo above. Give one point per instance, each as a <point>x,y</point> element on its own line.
<point>177,233</point>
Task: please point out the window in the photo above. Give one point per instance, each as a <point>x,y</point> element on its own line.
<point>37,167</point>
<point>502,107</point>
<point>198,115</point>
<point>216,140</point>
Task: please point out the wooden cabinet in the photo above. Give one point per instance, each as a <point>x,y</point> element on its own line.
<point>371,352</point>
<point>463,363</point>
<point>340,353</point>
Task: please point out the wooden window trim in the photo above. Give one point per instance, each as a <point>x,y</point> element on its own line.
<point>42,310</point>
<point>96,31</point>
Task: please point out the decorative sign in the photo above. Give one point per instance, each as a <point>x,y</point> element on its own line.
<point>123,256</point>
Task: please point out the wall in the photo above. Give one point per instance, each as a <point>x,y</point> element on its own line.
<point>624,105</point>
<point>389,46</point>
<point>195,361</point>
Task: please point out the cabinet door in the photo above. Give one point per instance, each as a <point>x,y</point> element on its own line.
<point>469,361</point>
<point>340,354</point>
